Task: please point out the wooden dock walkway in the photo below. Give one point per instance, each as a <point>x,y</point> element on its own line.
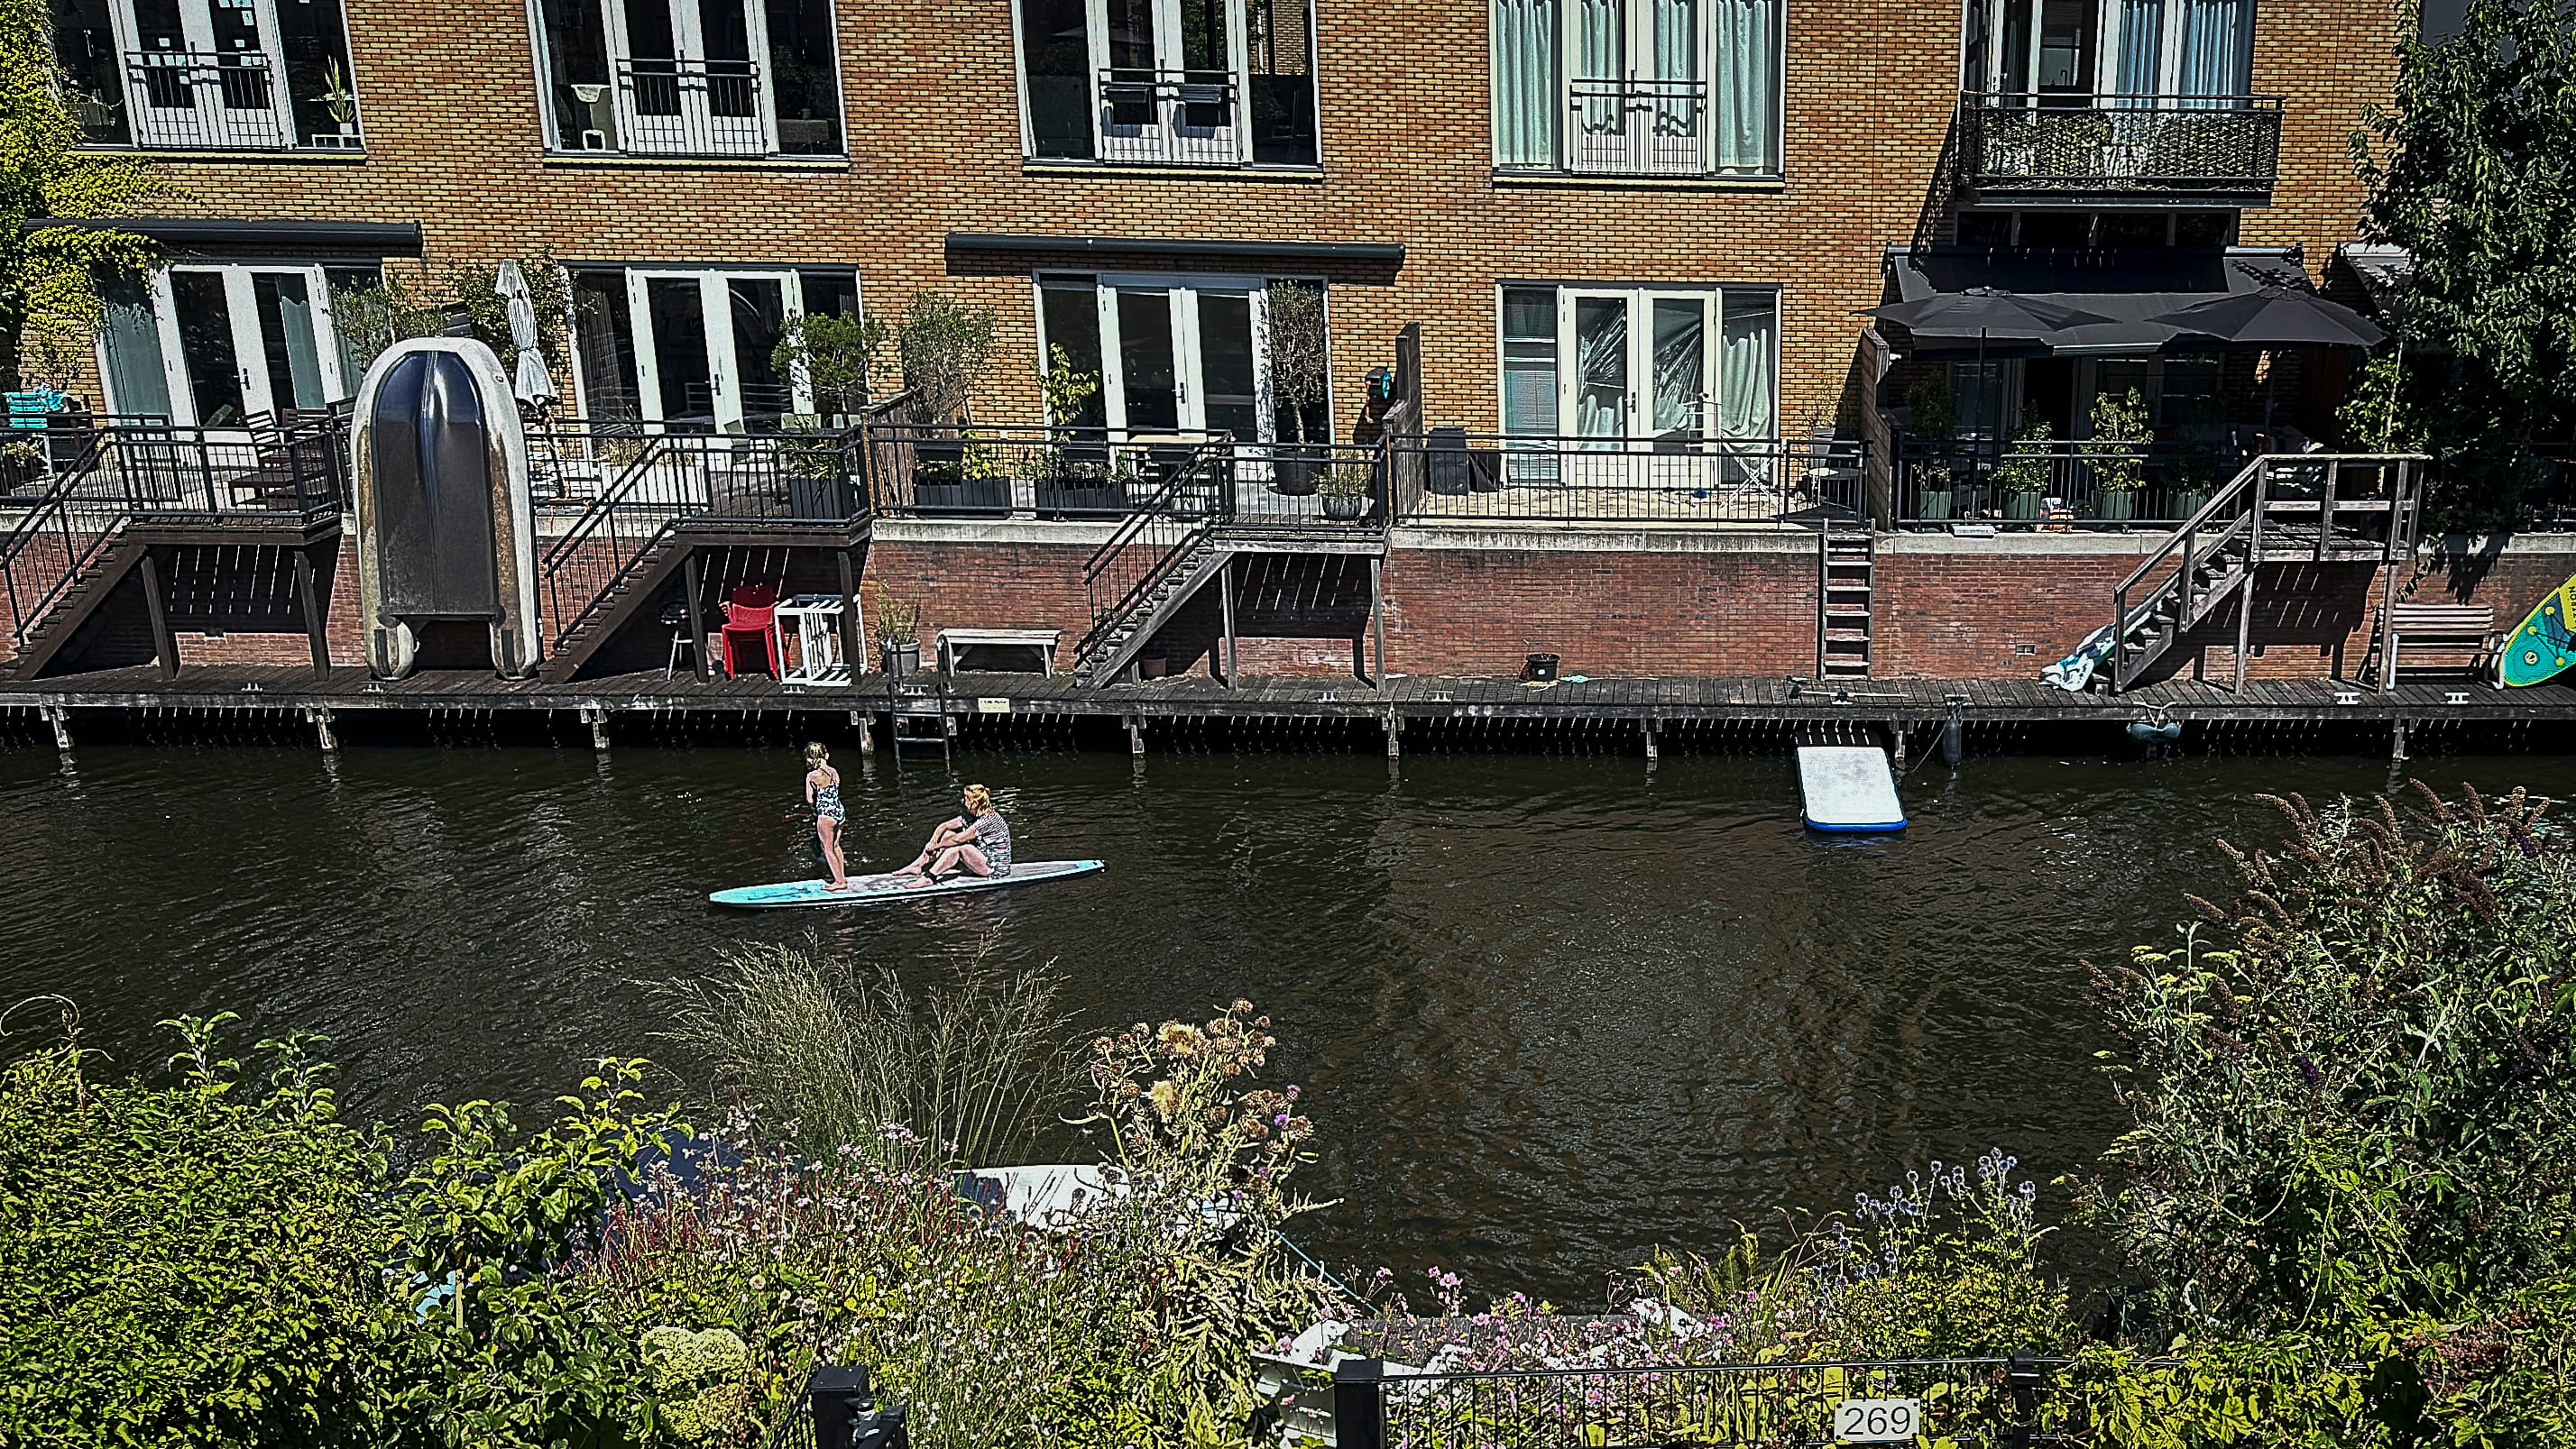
<point>1646,703</point>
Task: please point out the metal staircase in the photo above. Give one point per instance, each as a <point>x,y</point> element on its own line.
<point>1159,557</point>
<point>2282,508</point>
<point>1846,573</point>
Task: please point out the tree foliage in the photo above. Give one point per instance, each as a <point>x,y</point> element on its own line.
<point>2471,167</point>
<point>50,306</point>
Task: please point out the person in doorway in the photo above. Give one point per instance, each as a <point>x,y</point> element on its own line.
<point>823,792</point>
<point>977,842</point>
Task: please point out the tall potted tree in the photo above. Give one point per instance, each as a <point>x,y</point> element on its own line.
<point>1300,379</point>
<point>2121,436</point>
<point>1933,419</point>
<point>944,346</point>
<point>1074,470</point>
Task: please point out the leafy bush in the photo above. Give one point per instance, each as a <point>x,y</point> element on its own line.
<point>195,1264</point>
<point>944,346</point>
<point>2351,1103</point>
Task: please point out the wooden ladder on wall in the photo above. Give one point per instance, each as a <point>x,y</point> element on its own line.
<point>1846,573</point>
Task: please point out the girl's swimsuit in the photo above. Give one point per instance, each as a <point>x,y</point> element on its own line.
<point>827,803</point>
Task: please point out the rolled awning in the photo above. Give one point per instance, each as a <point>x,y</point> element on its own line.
<point>2130,289</point>
<point>369,238</point>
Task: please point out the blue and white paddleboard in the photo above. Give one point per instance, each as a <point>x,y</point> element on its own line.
<point>870,889</point>
<point>1848,787</point>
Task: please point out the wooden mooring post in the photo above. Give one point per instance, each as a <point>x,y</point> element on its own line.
<point>320,719</point>
<point>596,717</point>
<point>61,719</point>
<point>865,724</point>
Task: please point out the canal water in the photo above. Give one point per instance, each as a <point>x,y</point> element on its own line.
<point>1549,1010</point>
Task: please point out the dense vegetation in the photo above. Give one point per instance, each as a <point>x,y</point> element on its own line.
<point>2345,1208</point>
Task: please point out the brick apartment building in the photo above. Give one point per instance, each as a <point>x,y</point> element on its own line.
<point>1657,221</point>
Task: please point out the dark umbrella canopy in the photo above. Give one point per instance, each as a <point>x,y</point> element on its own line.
<point>2274,317</point>
<point>1985,312</point>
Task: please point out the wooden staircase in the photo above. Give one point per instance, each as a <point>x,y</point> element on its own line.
<point>2317,508</point>
<point>1846,574</point>
<point>88,584</point>
<point>641,578</point>
<point>1196,563</point>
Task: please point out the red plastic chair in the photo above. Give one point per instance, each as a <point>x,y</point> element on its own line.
<point>751,613</point>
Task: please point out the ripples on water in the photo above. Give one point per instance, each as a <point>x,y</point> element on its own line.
<point>1549,1011</point>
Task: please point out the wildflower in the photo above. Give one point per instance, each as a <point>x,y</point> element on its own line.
<point>1166,1098</point>
<point>1181,1039</point>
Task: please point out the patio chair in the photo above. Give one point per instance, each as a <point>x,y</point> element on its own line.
<point>750,613</point>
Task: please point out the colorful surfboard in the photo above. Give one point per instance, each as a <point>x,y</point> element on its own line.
<point>2544,646</point>
<point>869,889</point>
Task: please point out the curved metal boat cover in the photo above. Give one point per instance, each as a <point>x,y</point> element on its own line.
<point>433,485</point>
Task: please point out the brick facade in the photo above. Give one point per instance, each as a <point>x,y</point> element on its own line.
<point>929,93</point>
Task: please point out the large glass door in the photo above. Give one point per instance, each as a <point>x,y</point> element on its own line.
<point>243,342</point>
<point>1638,91</point>
<point>1184,355</point>
<point>704,344</point>
<point>205,73</point>
<point>688,82</point>
<point>1170,79</point>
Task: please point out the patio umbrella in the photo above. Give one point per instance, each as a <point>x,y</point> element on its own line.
<point>1985,312</point>
<point>533,384</point>
<point>2274,317</point>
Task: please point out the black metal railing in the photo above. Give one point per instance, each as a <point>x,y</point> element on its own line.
<point>678,107</point>
<point>2057,483</point>
<point>203,99</point>
<point>1170,117</point>
<point>1624,127</point>
<point>1983,1403</point>
<point>1150,545</point>
<point>1458,476</point>
<point>2080,144</point>
<point>953,470</point>
<point>105,478</point>
<point>646,485</point>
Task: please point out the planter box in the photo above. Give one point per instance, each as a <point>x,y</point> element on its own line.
<point>829,498</point>
<point>1933,504</point>
<point>1056,497</point>
<point>2025,505</point>
<point>1346,507</point>
<point>969,496</point>
<point>2119,507</point>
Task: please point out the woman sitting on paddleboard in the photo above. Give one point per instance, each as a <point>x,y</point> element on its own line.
<point>823,792</point>
<point>977,842</point>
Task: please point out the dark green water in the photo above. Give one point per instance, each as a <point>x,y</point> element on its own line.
<point>1548,1011</point>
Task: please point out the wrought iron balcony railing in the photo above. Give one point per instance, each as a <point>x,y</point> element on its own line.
<point>2083,145</point>
<point>1170,117</point>
<point>668,107</point>
<point>206,100</point>
<point>1637,128</point>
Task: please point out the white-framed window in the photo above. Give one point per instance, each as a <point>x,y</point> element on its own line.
<point>216,345</point>
<point>1181,353</point>
<point>1662,362</point>
<point>1169,82</point>
<point>2187,52</point>
<point>708,78</point>
<point>219,75</point>
<point>695,348</point>
<point>1638,87</point>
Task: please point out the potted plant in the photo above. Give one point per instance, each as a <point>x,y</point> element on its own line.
<point>1933,419</point>
<point>2192,480</point>
<point>834,357</point>
<point>899,633</point>
<point>1300,379</point>
<point>1073,472</point>
<point>2121,436</point>
<point>2024,474</point>
<point>943,347</point>
<point>1345,490</point>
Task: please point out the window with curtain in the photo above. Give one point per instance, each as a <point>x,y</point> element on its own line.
<point>2216,49</point>
<point>1748,382</point>
<point>1614,361</point>
<point>1637,87</point>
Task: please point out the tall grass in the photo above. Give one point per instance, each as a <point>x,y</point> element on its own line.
<point>958,1074</point>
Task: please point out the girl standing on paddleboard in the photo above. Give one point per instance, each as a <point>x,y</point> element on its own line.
<point>823,792</point>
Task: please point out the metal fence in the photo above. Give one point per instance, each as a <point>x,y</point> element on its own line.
<point>1969,1403</point>
<point>675,107</point>
<point>1169,117</point>
<point>1473,477</point>
<point>2057,485</point>
<point>2085,143</point>
<point>1637,127</point>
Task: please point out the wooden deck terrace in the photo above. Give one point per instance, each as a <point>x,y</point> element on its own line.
<point>1646,704</point>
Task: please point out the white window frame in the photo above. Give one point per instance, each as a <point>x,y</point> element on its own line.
<point>687,25</point>
<point>196,21</point>
<point>1188,363</point>
<point>1239,60</point>
<point>242,304</point>
<point>715,306</point>
<point>2106,46</point>
<point>1640,298</point>
<point>1637,28</point>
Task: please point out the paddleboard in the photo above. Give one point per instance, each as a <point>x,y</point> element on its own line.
<point>2544,646</point>
<point>871,889</point>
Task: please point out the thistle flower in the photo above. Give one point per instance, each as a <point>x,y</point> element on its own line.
<point>1166,1098</point>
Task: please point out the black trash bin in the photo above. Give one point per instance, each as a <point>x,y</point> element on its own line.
<point>1452,466</point>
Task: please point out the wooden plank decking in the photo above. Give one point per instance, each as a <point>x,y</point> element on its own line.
<point>1412,697</point>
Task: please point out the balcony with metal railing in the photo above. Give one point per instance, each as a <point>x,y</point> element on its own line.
<point>1637,128</point>
<point>1170,117</point>
<point>205,100</point>
<point>670,107</point>
<point>2222,149</point>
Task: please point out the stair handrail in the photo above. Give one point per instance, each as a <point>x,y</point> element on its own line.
<point>596,516</point>
<point>54,504</point>
<point>2187,541</point>
<point>1162,507</point>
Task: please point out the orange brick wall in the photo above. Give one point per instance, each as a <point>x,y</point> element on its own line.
<point>455,144</point>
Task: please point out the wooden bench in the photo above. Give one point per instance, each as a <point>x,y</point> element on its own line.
<point>953,641</point>
<point>2452,626</point>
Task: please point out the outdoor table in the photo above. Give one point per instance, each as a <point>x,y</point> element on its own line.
<point>814,622</point>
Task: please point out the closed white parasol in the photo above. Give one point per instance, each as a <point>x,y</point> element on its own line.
<point>533,384</point>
